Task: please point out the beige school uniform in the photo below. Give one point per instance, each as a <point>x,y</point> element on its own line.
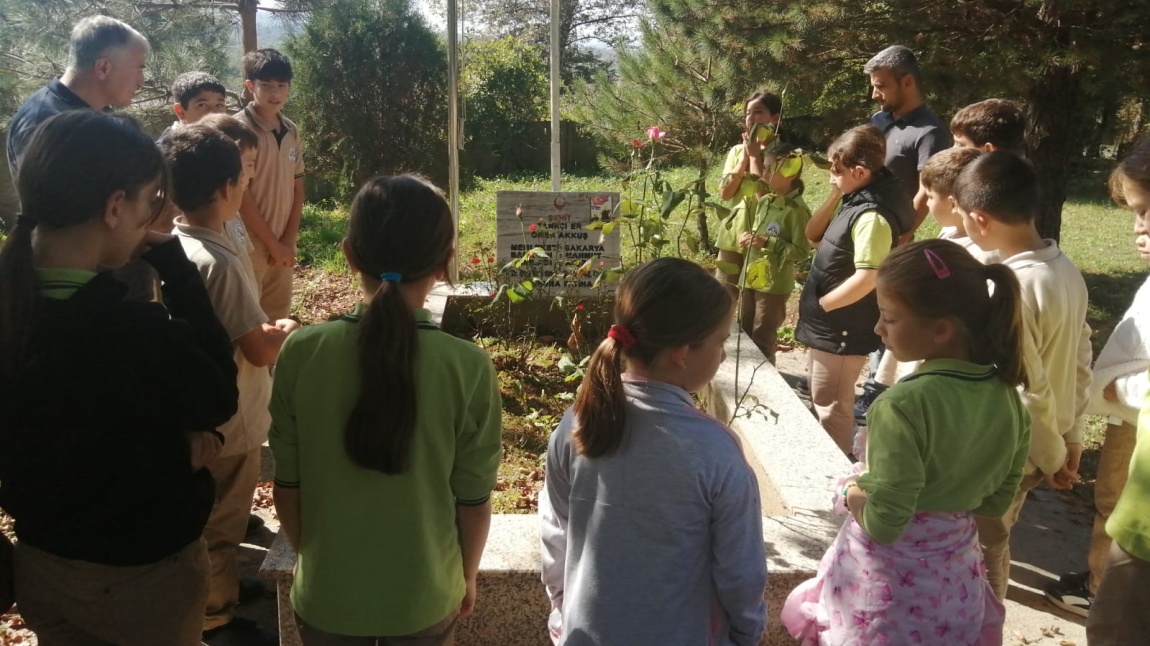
<point>231,284</point>
<point>1057,355</point>
<point>278,165</point>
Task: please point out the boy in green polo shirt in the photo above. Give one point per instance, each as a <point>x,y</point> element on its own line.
<point>207,185</point>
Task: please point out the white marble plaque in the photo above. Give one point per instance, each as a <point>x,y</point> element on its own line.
<point>557,223</point>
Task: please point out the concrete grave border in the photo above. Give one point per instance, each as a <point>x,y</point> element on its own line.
<point>797,465</point>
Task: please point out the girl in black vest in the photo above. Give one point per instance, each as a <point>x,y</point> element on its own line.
<point>838,310</point>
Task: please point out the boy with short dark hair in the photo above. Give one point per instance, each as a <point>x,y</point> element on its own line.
<point>197,95</point>
<point>272,207</point>
<point>937,179</point>
<point>993,124</point>
<point>249,144</point>
<point>207,185</point>
<point>997,195</point>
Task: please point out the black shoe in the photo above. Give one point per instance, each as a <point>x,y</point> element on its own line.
<point>1072,597</point>
<point>871,391</point>
<point>251,589</point>
<point>802,387</point>
<point>240,632</point>
<point>1075,578</point>
<point>255,524</point>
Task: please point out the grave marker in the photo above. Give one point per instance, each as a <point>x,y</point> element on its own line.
<point>557,223</point>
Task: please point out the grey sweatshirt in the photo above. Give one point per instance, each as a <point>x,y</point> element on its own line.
<point>661,542</point>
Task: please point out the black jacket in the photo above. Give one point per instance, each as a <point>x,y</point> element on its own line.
<point>94,457</point>
<point>849,330</point>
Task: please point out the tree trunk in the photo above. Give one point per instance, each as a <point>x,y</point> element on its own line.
<point>704,234</point>
<point>1052,116</point>
<point>248,24</point>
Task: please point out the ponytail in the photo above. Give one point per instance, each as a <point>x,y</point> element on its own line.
<point>400,231</point>
<point>665,303</point>
<point>379,431</point>
<point>19,298</point>
<point>1001,337</point>
<point>599,405</point>
<point>938,279</point>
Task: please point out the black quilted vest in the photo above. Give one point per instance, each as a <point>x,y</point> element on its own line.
<point>849,330</point>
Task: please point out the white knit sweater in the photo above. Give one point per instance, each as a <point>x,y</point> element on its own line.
<point>1125,360</point>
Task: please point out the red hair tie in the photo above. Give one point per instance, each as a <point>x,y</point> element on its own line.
<point>622,336</point>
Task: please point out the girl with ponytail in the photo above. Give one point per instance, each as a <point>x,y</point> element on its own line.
<point>651,519</point>
<point>946,443</point>
<point>386,435</point>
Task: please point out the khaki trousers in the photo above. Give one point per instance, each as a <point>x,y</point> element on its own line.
<point>77,603</point>
<point>439,634</point>
<point>1120,614</point>
<point>994,535</point>
<point>275,285</point>
<point>1113,469</point>
<point>236,478</point>
<point>832,381</point>
<point>760,314</point>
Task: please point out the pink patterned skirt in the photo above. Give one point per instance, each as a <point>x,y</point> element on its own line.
<point>928,587</point>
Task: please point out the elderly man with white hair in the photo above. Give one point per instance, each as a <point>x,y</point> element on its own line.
<point>105,69</point>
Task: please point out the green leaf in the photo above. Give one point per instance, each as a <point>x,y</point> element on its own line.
<point>609,227</point>
<point>819,161</point>
<point>791,166</point>
<point>692,240</point>
<point>720,210</point>
<point>671,199</point>
<point>758,274</point>
<point>567,366</point>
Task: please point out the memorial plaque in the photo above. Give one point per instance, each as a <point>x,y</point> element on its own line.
<point>557,223</point>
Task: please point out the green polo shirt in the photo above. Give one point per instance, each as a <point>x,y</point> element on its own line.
<point>379,553</point>
<point>1129,523</point>
<point>60,284</point>
<point>952,437</point>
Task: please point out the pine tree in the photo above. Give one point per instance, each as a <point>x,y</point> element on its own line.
<point>693,94</point>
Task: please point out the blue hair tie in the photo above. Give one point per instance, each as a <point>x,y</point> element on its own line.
<point>391,277</point>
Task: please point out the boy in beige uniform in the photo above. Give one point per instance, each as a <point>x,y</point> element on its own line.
<point>996,195</point>
<point>273,204</point>
<point>208,184</point>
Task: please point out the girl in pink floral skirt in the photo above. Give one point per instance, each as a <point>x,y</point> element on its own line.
<point>945,443</point>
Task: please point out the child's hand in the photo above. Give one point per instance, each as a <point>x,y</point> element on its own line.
<point>287,326</point>
<point>467,608</point>
<point>1067,476</point>
<point>204,448</point>
<point>1110,392</point>
<point>282,255</point>
<point>752,146</point>
<point>749,239</point>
